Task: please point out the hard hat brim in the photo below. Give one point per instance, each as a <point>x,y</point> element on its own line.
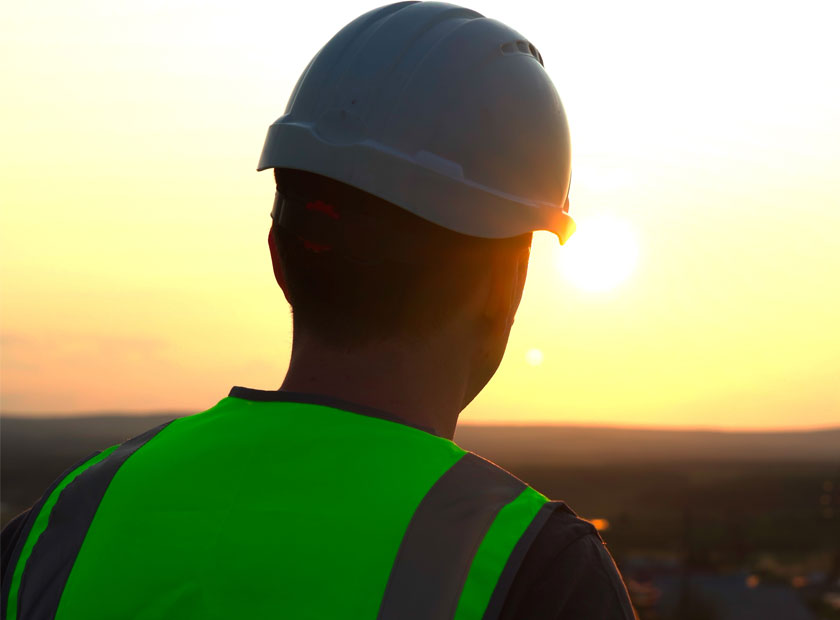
<point>441,192</point>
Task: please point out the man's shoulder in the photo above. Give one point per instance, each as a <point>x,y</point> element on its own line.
<point>564,527</point>
<point>567,573</point>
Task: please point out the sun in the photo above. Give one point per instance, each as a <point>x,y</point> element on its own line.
<point>534,357</point>
<point>601,254</point>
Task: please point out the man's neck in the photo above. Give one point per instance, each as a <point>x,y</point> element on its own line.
<point>421,385</point>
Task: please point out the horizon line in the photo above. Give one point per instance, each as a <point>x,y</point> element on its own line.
<point>505,424</point>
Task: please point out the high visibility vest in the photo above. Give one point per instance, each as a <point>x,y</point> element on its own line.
<point>276,509</point>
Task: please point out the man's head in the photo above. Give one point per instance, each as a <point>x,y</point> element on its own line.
<point>450,120</point>
<point>359,271</point>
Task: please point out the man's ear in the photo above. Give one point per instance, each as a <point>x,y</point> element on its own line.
<point>277,264</point>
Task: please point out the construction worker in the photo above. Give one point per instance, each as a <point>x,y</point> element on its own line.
<point>418,152</point>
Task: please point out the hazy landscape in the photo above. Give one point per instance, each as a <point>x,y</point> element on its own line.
<point>703,524</point>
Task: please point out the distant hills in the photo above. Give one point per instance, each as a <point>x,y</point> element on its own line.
<point>519,444</point>
<point>593,445</point>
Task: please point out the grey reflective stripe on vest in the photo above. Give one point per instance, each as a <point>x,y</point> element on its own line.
<point>53,556</point>
<point>27,528</point>
<point>442,537</point>
<point>500,592</point>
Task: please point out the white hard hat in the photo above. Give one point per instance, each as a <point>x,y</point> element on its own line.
<point>438,110</point>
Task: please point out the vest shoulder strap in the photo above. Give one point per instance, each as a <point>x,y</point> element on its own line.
<point>465,543</point>
<point>40,567</point>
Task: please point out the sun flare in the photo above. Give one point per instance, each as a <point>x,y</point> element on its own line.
<point>601,254</point>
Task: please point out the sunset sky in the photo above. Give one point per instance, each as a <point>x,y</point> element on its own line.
<point>702,288</point>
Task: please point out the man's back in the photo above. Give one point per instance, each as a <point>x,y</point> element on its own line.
<point>308,523</point>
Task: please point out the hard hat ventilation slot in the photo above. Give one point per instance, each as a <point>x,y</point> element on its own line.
<point>522,47</point>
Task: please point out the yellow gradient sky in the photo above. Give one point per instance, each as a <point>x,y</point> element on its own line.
<point>135,273</point>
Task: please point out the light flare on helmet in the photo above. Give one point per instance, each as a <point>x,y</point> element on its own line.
<point>602,254</point>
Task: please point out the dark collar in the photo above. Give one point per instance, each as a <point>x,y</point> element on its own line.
<point>265,396</point>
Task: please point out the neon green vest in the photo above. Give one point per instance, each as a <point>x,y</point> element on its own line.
<point>276,509</point>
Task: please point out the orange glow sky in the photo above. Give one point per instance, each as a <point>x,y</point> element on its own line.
<point>135,273</point>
